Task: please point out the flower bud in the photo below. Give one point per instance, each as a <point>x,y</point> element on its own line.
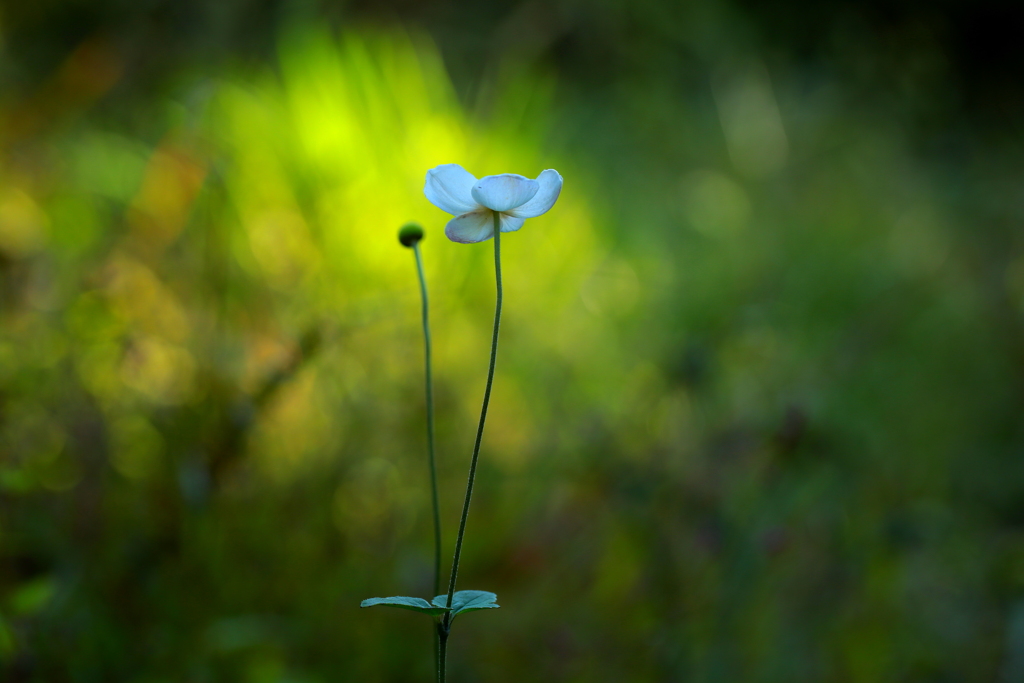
<point>410,234</point>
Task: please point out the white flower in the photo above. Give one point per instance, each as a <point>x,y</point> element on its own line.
<point>474,202</point>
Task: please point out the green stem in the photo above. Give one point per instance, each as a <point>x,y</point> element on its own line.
<point>430,422</point>
<point>438,650</point>
<point>446,621</point>
<point>442,650</point>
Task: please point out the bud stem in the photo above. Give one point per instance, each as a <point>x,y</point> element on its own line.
<point>430,419</point>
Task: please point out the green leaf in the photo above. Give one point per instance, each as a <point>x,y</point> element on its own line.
<point>402,602</point>
<point>468,601</point>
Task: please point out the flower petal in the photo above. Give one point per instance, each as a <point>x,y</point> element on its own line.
<point>468,228</point>
<point>505,191</point>
<point>511,223</point>
<point>449,187</point>
<point>550,183</point>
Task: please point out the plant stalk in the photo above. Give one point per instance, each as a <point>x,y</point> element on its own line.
<point>438,649</point>
<point>430,420</point>
<point>442,650</point>
<point>447,619</point>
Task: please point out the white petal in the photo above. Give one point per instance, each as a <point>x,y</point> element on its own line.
<point>511,223</point>
<point>476,226</point>
<point>449,187</point>
<point>550,186</point>
<point>505,191</point>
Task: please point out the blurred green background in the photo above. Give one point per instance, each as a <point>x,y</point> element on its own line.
<point>758,411</point>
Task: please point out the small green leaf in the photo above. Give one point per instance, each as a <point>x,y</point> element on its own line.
<point>402,602</point>
<point>468,601</point>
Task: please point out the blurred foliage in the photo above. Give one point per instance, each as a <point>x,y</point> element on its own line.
<point>757,412</point>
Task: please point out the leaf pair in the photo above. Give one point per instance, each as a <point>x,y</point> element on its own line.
<point>462,601</point>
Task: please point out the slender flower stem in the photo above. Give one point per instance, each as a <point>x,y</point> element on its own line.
<point>430,421</point>
<point>442,650</point>
<point>446,622</point>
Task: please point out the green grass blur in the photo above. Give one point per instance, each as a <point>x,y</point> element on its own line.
<point>757,408</point>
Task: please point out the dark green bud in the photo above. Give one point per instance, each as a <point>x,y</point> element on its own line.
<point>410,234</point>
